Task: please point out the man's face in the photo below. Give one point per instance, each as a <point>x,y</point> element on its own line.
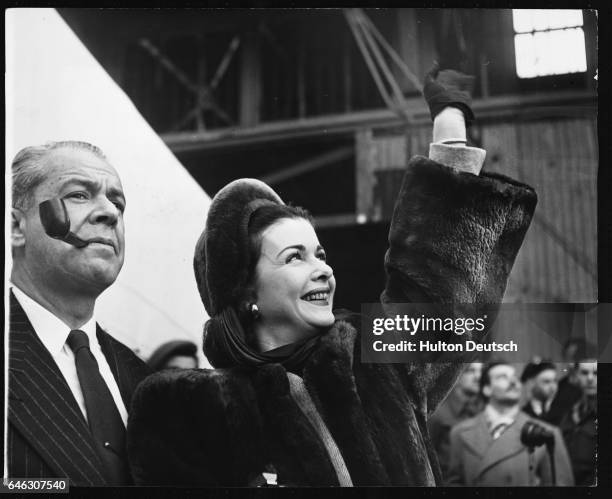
<point>586,375</point>
<point>545,385</point>
<point>469,382</point>
<point>94,199</point>
<point>504,387</point>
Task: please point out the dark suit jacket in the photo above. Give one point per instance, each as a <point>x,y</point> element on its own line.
<point>580,435</point>
<point>48,436</point>
<point>478,460</point>
<point>567,395</point>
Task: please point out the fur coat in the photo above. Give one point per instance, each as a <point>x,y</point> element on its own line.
<point>453,239</point>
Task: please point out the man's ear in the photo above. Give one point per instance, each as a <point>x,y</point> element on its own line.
<point>18,222</point>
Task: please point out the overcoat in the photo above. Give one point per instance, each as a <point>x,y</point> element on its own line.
<point>479,461</point>
<point>453,239</point>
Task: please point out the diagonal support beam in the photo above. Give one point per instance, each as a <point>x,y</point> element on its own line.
<point>574,252</point>
<point>205,99</point>
<point>168,65</point>
<point>308,165</point>
<point>372,44</point>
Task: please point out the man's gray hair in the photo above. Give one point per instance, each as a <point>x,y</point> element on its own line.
<point>28,170</point>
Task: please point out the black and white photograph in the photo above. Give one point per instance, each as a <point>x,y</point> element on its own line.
<point>302,247</point>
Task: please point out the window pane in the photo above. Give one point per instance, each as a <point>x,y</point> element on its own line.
<point>526,20</point>
<point>541,18</point>
<point>550,52</point>
<point>526,57</point>
<point>522,20</point>
<point>565,18</point>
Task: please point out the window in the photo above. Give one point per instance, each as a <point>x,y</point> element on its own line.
<point>548,42</point>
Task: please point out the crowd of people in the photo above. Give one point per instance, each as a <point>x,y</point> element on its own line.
<point>520,425</point>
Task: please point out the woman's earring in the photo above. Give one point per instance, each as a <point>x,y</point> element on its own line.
<point>254,309</point>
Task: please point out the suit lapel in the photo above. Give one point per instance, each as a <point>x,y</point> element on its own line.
<point>43,409</point>
<point>111,354</point>
<point>127,369</point>
<point>507,445</point>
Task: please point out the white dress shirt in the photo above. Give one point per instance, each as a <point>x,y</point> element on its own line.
<point>53,333</point>
<point>540,407</point>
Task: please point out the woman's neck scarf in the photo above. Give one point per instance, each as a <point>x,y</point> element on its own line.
<point>225,345</point>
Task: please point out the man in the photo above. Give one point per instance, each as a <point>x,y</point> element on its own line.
<point>579,426</point>
<point>462,403</point>
<point>487,450</point>
<point>179,354</point>
<point>568,391</point>
<point>70,383</point>
<point>540,382</point>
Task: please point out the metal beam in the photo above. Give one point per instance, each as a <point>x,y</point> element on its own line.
<point>308,165</point>
<point>562,103</point>
<point>338,220</point>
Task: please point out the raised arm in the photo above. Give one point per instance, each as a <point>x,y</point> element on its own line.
<point>455,231</point>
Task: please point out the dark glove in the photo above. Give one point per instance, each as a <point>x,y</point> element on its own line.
<point>448,88</point>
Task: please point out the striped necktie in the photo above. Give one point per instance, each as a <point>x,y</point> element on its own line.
<point>103,417</point>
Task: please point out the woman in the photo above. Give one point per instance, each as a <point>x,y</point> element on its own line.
<point>289,401</point>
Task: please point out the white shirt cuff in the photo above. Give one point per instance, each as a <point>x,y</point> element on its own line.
<point>464,158</point>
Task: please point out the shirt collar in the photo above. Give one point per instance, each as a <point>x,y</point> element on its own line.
<point>494,417</point>
<point>537,406</point>
<point>51,330</point>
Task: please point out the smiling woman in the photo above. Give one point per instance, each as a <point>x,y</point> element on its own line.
<point>293,284</point>
<point>289,401</point>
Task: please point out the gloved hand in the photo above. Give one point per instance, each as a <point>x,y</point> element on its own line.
<point>448,88</point>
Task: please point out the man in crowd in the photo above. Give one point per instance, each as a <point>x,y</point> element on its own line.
<point>568,391</point>
<point>175,354</point>
<point>487,450</point>
<point>540,382</point>
<point>463,402</point>
<point>70,383</point>
<point>579,426</point>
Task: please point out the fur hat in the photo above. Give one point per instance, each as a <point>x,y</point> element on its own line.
<point>221,254</point>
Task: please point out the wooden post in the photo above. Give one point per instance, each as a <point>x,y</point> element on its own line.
<point>407,47</point>
<point>364,176</point>
<point>202,78</point>
<point>250,82</point>
<point>301,80</point>
<point>346,69</point>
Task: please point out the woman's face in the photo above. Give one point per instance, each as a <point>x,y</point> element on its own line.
<point>293,284</point>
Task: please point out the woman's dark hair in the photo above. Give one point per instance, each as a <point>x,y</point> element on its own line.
<point>260,220</point>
